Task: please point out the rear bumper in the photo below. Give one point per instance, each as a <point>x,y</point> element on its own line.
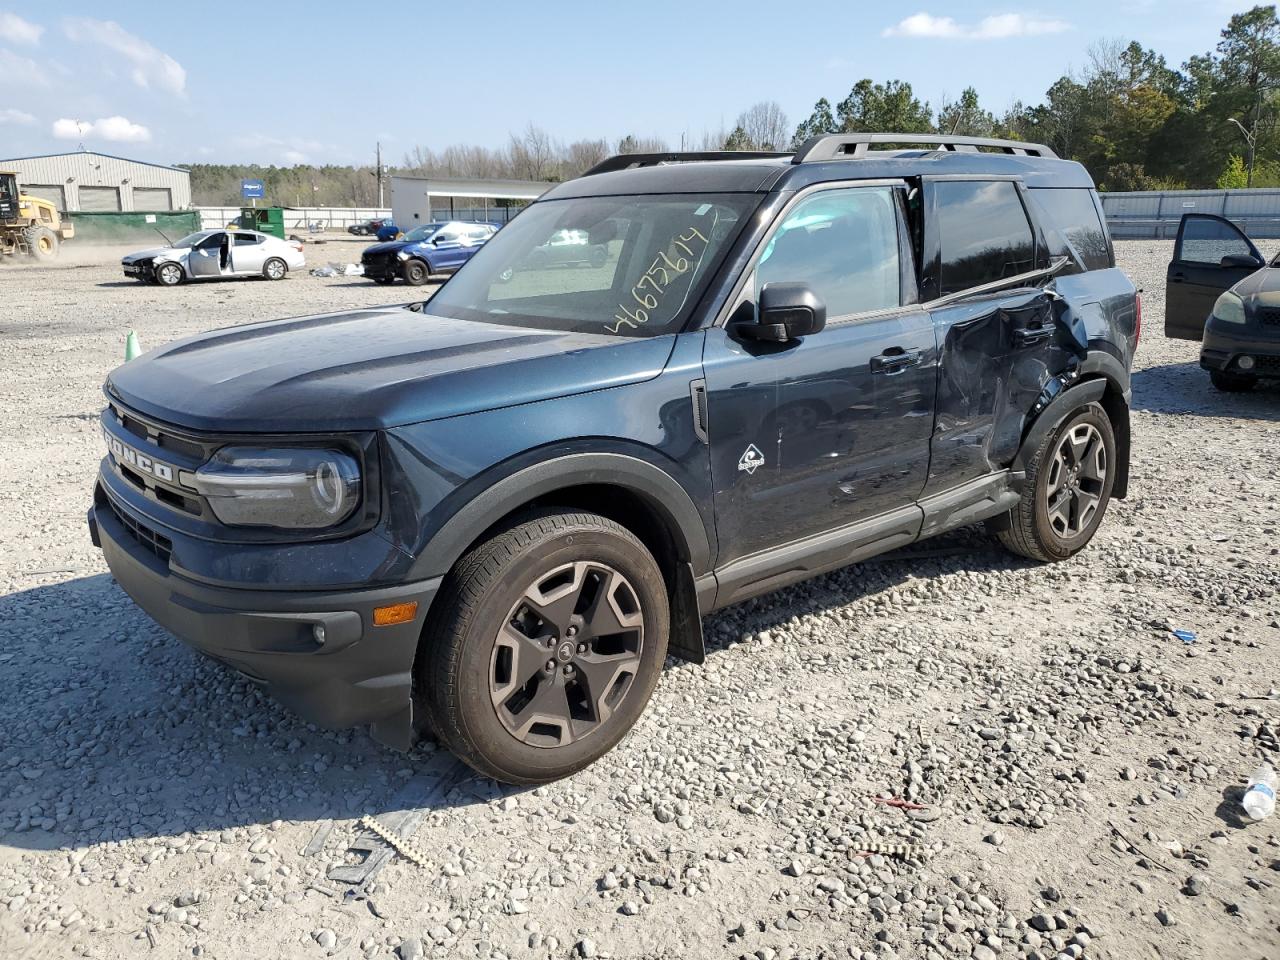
<point>361,673</point>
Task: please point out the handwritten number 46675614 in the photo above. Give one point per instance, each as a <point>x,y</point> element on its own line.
<point>651,288</point>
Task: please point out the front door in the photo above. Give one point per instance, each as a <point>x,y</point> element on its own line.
<point>210,257</point>
<point>1211,255</point>
<point>820,433</point>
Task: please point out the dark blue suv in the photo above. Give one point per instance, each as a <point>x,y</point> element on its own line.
<point>426,250</point>
<point>493,515</point>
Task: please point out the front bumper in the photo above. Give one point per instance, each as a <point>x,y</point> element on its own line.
<point>383,269</point>
<point>1222,349</point>
<point>361,674</point>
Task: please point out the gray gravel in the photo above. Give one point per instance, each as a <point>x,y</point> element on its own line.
<point>1078,767</point>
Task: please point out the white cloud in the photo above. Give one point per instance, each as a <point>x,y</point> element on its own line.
<point>150,67</point>
<point>10,115</point>
<point>996,27</point>
<point>20,71</point>
<point>13,29</point>
<point>117,129</point>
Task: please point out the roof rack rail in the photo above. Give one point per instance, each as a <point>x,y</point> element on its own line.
<point>854,146</point>
<point>625,161</point>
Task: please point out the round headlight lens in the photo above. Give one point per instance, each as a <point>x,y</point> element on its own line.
<point>1229,308</point>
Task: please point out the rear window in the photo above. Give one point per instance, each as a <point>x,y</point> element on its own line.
<point>984,233</point>
<point>1071,218</point>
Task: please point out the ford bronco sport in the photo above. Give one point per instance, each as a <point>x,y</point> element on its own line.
<point>493,515</point>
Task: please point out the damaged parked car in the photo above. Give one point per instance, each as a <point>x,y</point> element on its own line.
<point>214,255</point>
<point>490,516</point>
<point>1221,291</point>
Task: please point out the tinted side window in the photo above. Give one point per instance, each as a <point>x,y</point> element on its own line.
<point>246,239</point>
<point>1072,215</point>
<point>984,233</point>
<point>844,244</point>
<point>1208,241</point>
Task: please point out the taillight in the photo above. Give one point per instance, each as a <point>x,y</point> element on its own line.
<point>1137,322</point>
<point>296,244</point>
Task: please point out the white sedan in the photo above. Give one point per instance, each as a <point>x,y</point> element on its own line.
<point>211,254</point>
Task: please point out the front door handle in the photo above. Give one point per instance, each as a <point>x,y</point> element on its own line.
<point>894,360</point>
<point>1177,278</point>
<point>1026,336</point>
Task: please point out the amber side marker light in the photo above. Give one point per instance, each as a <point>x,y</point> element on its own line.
<point>395,613</point>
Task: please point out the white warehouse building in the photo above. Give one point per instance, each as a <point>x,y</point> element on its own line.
<point>99,182</point>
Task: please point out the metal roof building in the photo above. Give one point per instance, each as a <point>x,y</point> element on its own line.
<point>99,182</point>
<point>417,200</point>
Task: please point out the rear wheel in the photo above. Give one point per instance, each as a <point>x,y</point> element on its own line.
<point>550,639</point>
<point>1232,382</point>
<point>275,269</point>
<point>1067,490</point>
<point>42,242</point>
<point>416,273</point>
<point>168,274</point>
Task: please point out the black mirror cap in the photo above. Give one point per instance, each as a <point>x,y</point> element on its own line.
<point>787,311</point>
<point>1241,260</point>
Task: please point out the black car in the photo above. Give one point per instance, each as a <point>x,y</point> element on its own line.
<point>1221,291</point>
<point>494,514</point>
<point>365,229</point>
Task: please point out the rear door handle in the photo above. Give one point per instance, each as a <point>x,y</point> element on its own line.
<point>894,360</point>
<point>1026,336</point>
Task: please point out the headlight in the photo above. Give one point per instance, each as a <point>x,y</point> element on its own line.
<point>288,488</point>
<point>1229,308</point>
<point>401,255</point>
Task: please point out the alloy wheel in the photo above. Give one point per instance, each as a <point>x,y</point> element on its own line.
<point>1077,480</point>
<point>567,654</point>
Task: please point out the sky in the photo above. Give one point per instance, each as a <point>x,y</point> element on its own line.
<point>322,82</point>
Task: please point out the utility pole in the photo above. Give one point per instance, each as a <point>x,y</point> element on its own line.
<point>379,174</point>
<point>1250,137</point>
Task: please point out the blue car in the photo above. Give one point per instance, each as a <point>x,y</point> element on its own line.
<point>440,247</point>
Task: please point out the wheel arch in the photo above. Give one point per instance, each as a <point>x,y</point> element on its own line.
<point>634,492</point>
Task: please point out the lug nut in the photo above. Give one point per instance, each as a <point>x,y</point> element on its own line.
<point>571,632</point>
<point>551,665</point>
<point>551,642</point>
<point>582,648</point>
<point>568,669</point>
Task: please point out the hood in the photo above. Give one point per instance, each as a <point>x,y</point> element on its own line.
<point>1260,288</point>
<point>391,246</point>
<point>147,254</point>
<point>370,369</point>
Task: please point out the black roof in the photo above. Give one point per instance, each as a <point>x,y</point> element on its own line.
<point>825,159</point>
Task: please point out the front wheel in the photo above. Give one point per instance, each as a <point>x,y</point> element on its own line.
<point>549,642</point>
<point>1068,487</point>
<point>416,273</point>
<point>168,274</point>
<point>1232,382</point>
<point>275,269</point>
<point>42,242</point>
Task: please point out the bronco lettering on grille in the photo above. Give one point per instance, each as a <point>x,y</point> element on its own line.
<point>137,461</point>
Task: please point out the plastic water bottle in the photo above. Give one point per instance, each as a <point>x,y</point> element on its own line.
<point>1260,795</point>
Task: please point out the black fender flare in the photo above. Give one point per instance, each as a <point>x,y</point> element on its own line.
<point>1061,407</point>
<point>661,490</point>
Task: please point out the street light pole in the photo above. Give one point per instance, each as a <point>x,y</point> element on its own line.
<point>1250,138</point>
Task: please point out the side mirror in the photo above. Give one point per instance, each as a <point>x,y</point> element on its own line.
<point>1241,260</point>
<point>786,312</point>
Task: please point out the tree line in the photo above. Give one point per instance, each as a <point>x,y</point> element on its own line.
<point>1133,120</point>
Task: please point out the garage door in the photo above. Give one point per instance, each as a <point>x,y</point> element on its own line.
<point>152,198</point>
<point>51,192</point>
<point>99,199</point>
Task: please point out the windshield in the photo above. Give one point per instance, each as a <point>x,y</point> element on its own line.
<point>191,239</point>
<point>630,266</point>
<point>423,232</point>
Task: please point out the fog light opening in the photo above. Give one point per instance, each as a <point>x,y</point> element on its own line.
<point>317,632</point>
<point>1245,363</point>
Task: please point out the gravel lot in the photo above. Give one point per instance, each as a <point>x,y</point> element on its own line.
<point>1079,767</point>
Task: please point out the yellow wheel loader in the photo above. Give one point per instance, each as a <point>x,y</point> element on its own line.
<point>29,226</point>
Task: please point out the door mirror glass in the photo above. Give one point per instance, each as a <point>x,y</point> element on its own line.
<point>1247,260</point>
<point>786,312</point>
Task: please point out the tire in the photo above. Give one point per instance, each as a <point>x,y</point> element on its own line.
<point>1232,382</point>
<point>487,636</point>
<point>1066,469</point>
<point>42,242</point>
<point>599,257</point>
<point>168,274</point>
<point>416,273</point>
<point>275,269</point>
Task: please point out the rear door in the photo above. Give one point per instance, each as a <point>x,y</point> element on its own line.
<point>997,347</point>
<point>248,253</point>
<point>1210,256</point>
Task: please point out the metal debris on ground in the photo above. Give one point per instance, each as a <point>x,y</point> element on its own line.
<point>407,847</point>
<point>906,852</point>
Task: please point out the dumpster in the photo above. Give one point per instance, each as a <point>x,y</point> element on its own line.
<point>268,220</point>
